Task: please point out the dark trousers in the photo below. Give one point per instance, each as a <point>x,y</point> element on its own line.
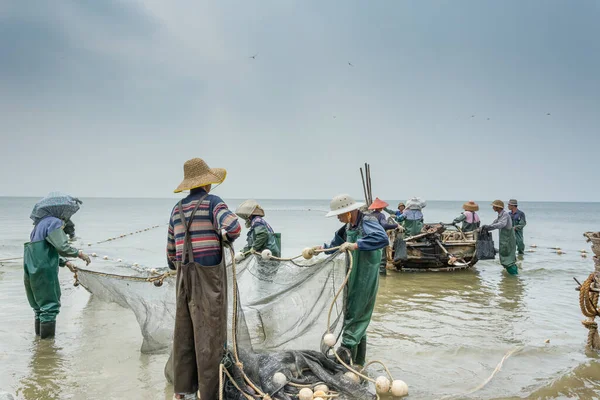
<point>200,336</point>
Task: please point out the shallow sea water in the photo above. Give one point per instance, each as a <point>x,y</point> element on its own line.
<point>442,333</point>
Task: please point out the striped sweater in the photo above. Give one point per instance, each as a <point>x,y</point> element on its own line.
<point>211,217</point>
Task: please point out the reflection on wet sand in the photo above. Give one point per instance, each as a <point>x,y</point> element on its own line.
<point>46,372</point>
<point>511,290</point>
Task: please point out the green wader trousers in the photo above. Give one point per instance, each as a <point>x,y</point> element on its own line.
<point>412,227</point>
<point>360,302</point>
<point>520,242</point>
<point>40,263</point>
<point>508,248</point>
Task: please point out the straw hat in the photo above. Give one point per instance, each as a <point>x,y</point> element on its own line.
<point>401,204</point>
<point>377,204</point>
<point>513,202</point>
<point>471,206</point>
<point>197,174</point>
<point>343,203</point>
<point>249,208</point>
<point>498,203</point>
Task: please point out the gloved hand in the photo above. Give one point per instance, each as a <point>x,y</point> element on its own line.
<point>348,246</point>
<point>71,266</point>
<point>84,257</point>
<point>317,247</point>
<point>485,228</point>
<point>239,256</point>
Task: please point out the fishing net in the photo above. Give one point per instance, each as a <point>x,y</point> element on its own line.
<point>282,310</point>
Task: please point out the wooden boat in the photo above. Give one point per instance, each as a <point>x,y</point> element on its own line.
<point>439,247</point>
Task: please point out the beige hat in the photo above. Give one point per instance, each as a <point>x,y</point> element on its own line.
<point>343,203</point>
<point>401,204</point>
<point>498,203</point>
<point>471,206</point>
<point>513,202</point>
<point>249,208</point>
<point>197,174</point>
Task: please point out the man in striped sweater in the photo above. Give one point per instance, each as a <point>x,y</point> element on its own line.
<point>198,226</point>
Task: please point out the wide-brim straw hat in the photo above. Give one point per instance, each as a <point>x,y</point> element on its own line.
<point>249,208</point>
<point>377,204</point>
<point>498,203</point>
<point>513,202</point>
<point>196,173</point>
<point>471,206</point>
<point>343,203</point>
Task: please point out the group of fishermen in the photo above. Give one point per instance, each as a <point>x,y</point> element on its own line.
<point>199,226</point>
<point>509,224</point>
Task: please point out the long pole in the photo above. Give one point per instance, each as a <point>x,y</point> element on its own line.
<point>364,186</point>
<point>369,188</point>
<point>367,179</point>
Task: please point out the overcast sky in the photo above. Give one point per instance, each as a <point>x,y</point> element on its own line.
<point>446,99</point>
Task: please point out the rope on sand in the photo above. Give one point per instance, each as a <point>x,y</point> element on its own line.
<point>484,383</point>
<point>11,259</point>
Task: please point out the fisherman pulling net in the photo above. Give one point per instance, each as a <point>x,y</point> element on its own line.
<point>275,307</point>
<point>236,330</point>
<point>281,306</point>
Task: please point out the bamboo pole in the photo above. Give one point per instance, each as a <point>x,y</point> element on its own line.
<point>364,185</point>
<point>368,185</point>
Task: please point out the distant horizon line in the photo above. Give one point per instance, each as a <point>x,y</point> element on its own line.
<point>282,198</point>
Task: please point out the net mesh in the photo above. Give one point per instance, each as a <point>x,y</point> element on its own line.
<point>281,317</point>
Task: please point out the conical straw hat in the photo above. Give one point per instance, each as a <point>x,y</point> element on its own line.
<point>377,204</point>
<point>196,173</point>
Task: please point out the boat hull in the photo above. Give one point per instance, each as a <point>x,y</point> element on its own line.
<point>426,255</point>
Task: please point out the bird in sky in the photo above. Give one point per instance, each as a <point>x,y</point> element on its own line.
<point>253,57</point>
<point>350,64</point>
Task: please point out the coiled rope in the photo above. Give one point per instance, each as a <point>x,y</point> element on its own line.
<point>588,302</point>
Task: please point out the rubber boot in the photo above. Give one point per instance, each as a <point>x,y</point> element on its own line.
<point>361,352</point>
<point>47,329</point>
<point>37,327</point>
<point>346,354</point>
<point>383,263</point>
<point>513,270</point>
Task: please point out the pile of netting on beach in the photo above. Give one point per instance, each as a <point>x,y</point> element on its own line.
<point>279,312</point>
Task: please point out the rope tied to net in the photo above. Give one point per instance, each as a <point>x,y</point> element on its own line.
<point>588,302</point>
<point>157,279</point>
<point>307,253</point>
